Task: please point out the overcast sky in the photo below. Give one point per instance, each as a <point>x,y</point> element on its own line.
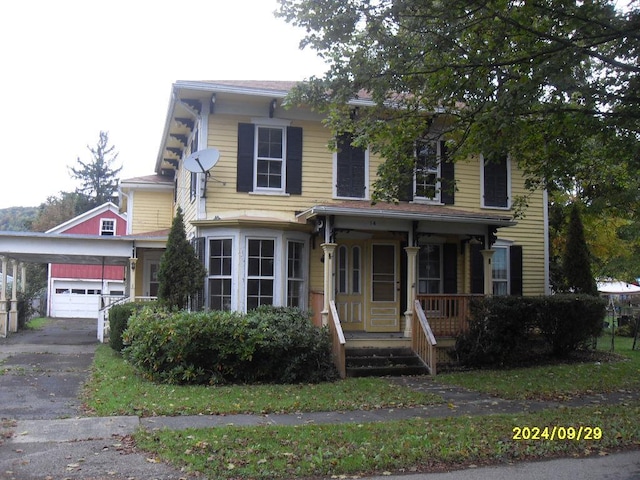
<point>71,68</point>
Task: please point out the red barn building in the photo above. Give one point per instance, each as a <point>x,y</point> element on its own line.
<point>75,290</point>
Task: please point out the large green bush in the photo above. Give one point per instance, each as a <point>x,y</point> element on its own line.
<point>270,344</point>
<point>499,331</point>
<point>508,330</point>
<point>118,319</point>
<point>569,322</point>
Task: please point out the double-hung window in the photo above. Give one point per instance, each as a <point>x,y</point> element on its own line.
<point>500,270</point>
<point>427,173</point>
<point>220,268</point>
<point>270,155</point>
<point>269,158</point>
<point>430,269</point>
<point>260,272</point>
<point>295,274</point>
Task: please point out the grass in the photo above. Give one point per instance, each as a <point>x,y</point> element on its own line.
<point>390,447</point>
<point>416,445</point>
<point>558,381</point>
<point>36,323</point>
<point>115,389</point>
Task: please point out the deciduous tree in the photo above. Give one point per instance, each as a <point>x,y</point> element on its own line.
<point>533,78</point>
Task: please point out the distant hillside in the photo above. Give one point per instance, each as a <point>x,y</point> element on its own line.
<point>17,219</point>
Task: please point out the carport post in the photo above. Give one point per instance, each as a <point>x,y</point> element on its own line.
<point>4,319</point>
<point>13,314</point>
<point>132,278</point>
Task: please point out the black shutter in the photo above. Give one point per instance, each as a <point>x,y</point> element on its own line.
<point>447,173</point>
<point>477,269</point>
<point>294,160</point>
<point>196,301</point>
<point>450,261</point>
<point>350,169</point>
<point>246,133</point>
<point>515,269</point>
<point>495,183</point>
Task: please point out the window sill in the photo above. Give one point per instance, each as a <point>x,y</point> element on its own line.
<point>269,193</point>
<point>490,207</point>
<point>426,201</point>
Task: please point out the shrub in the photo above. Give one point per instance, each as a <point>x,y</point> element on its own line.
<point>268,345</point>
<point>569,322</point>
<point>628,329</point>
<point>508,330</point>
<point>291,349</point>
<point>118,319</point>
<point>498,331</point>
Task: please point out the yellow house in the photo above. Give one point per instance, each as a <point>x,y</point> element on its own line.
<point>279,218</point>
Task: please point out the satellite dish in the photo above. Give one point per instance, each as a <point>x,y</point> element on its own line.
<point>202,161</point>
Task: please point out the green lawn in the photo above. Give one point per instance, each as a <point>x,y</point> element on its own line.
<point>407,446</point>
<point>557,382</point>
<point>374,448</point>
<point>115,389</point>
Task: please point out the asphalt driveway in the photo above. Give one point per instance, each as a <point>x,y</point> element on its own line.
<point>42,371</point>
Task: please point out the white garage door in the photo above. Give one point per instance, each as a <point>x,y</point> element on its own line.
<point>75,299</point>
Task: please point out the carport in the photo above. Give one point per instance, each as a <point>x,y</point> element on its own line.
<point>19,248</point>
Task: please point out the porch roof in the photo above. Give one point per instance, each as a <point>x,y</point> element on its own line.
<point>406,211</point>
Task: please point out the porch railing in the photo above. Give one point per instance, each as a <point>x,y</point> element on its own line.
<point>103,313</point>
<point>337,340</point>
<point>448,315</point>
<point>423,342</point>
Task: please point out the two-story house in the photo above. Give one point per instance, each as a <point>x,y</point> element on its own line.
<point>283,219</point>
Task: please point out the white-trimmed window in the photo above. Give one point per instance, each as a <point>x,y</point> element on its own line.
<point>427,173</point>
<point>270,155</point>
<point>500,270</point>
<point>220,271</point>
<point>260,272</point>
<point>430,269</point>
<point>107,226</point>
<point>295,274</point>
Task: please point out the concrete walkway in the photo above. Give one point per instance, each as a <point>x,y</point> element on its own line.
<point>46,436</point>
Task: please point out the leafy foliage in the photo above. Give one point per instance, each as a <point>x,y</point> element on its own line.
<point>271,344</point>
<point>119,320</point>
<point>507,330</point>
<point>181,273</point>
<point>542,81</point>
<point>17,219</point>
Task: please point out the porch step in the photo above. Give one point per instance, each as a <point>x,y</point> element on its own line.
<point>378,362</point>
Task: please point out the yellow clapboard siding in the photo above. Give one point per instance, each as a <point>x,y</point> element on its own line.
<point>152,211</point>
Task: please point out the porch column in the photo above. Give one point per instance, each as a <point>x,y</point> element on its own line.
<point>487,256</point>
<point>329,282</point>
<point>4,318</point>
<point>412,255</point>
<point>132,277</point>
<point>23,277</point>
<point>13,313</point>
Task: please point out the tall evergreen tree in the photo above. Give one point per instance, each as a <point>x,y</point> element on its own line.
<point>181,273</point>
<point>98,178</point>
<point>576,263</point>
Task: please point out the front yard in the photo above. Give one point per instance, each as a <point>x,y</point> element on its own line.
<point>375,448</point>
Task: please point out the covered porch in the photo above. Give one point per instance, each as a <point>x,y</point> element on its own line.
<point>401,274</point>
